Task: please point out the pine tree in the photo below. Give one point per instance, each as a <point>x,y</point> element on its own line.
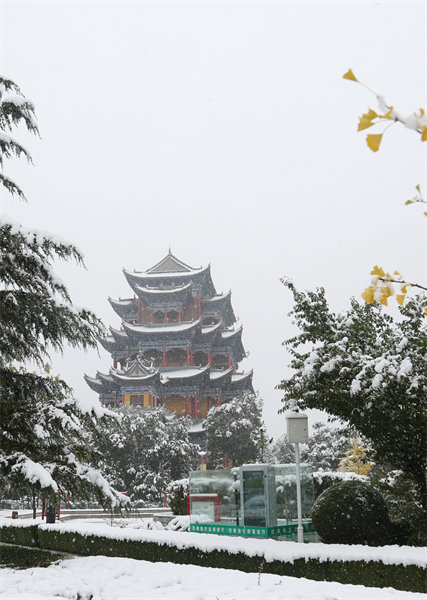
<point>144,450</point>
<point>355,460</point>
<point>233,431</point>
<point>44,440</point>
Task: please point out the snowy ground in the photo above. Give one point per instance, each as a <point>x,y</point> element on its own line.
<point>102,578</point>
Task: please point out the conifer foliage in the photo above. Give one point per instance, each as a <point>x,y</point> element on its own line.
<point>233,431</point>
<point>144,451</point>
<point>44,440</point>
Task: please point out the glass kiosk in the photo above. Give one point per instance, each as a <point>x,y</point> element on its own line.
<point>252,501</point>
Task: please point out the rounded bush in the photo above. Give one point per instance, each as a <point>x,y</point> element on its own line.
<point>352,512</point>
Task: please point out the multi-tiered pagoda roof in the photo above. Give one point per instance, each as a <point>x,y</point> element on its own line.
<point>178,344</point>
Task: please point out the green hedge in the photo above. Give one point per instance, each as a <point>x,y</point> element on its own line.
<point>23,557</point>
<point>371,574</point>
<point>21,536</point>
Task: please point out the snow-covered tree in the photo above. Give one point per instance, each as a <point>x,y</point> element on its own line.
<point>355,460</point>
<point>367,369</point>
<point>145,451</point>
<point>233,431</point>
<point>44,444</point>
<point>323,450</point>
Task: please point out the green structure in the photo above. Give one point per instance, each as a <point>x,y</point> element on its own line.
<point>252,501</point>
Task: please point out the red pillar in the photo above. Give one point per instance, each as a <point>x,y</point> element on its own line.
<point>139,311</point>
<point>196,406</point>
<point>187,406</point>
<point>218,401</point>
<point>165,320</point>
<point>209,358</point>
<point>151,317</point>
<point>229,360</point>
<point>150,399</point>
<point>123,399</point>
<point>114,363</point>
<point>179,316</point>
<point>164,361</point>
<point>188,356</point>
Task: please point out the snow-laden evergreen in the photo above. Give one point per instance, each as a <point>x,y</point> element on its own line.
<point>233,431</point>
<point>143,451</point>
<point>44,440</point>
<point>326,445</point>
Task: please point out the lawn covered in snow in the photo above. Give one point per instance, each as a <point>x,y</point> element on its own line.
<point>102,578</point>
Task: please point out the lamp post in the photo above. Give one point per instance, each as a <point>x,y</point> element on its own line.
<point>297,432</point>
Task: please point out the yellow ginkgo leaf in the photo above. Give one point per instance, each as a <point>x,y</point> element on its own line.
<point>388,114</point>
<point>364,124</point>
<point>396,273</point>
<point>400,298</point>
<point>409,202</point>
<point>404,289</point>
<point>378,271</point>
<point>371,114</point>
<point>368,295</point>
<point>421,113</point>
<point>349,75</point>
<point>425,310</point>
<point>417,187</point>
<point>374,140</point>
<point>425,214</point>
<point>424,134</point>
<point>384,300</point>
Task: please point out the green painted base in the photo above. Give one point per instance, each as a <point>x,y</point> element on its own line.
<point>287,531</point>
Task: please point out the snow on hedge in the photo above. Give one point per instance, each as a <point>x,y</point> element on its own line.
<point>105,578</point>
<point>269,549</point>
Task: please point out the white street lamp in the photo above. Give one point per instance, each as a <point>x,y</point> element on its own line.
<point>297,432</point>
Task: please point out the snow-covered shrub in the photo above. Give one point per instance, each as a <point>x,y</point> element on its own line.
<point>177,496</point>
<point>179,523</point>
<point>324,479</point>
<point>352,512</point>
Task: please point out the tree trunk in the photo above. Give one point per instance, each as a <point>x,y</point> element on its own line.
<point>34,503</point>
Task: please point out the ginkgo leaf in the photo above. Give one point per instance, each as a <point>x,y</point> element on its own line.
<point>368,295</point>
<point>409,202</point>
<point>364,124</point>
<point>417,187</point>
<point>371,114</point>
<point>374,140</point>
<point>377,271</point>
<point>422,112</point>
<point>404,289</point>
<point>388,114</point>
<point>424,134</point>
<point>349,75</point>
<point>396,272</point>
<point>400,298</point>
<point>425,310</point>
<point>384,300</point>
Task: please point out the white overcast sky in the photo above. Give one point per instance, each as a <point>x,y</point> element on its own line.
<point>225,130</point>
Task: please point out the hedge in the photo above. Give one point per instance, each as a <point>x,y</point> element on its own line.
<point>371,573</point>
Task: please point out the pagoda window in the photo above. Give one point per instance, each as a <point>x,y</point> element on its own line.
<point>175,405</point>
<point>137,399</point>
<point>208,321</point>
<point>220,361</point>
<point>159,316</point>
<point>154,356</point>
<point>173,316</point>
<point>204,406</point>
<point>176,357</point>
<point>200,358</point>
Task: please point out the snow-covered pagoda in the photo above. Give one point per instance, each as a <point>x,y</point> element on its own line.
<point>178,345</point>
